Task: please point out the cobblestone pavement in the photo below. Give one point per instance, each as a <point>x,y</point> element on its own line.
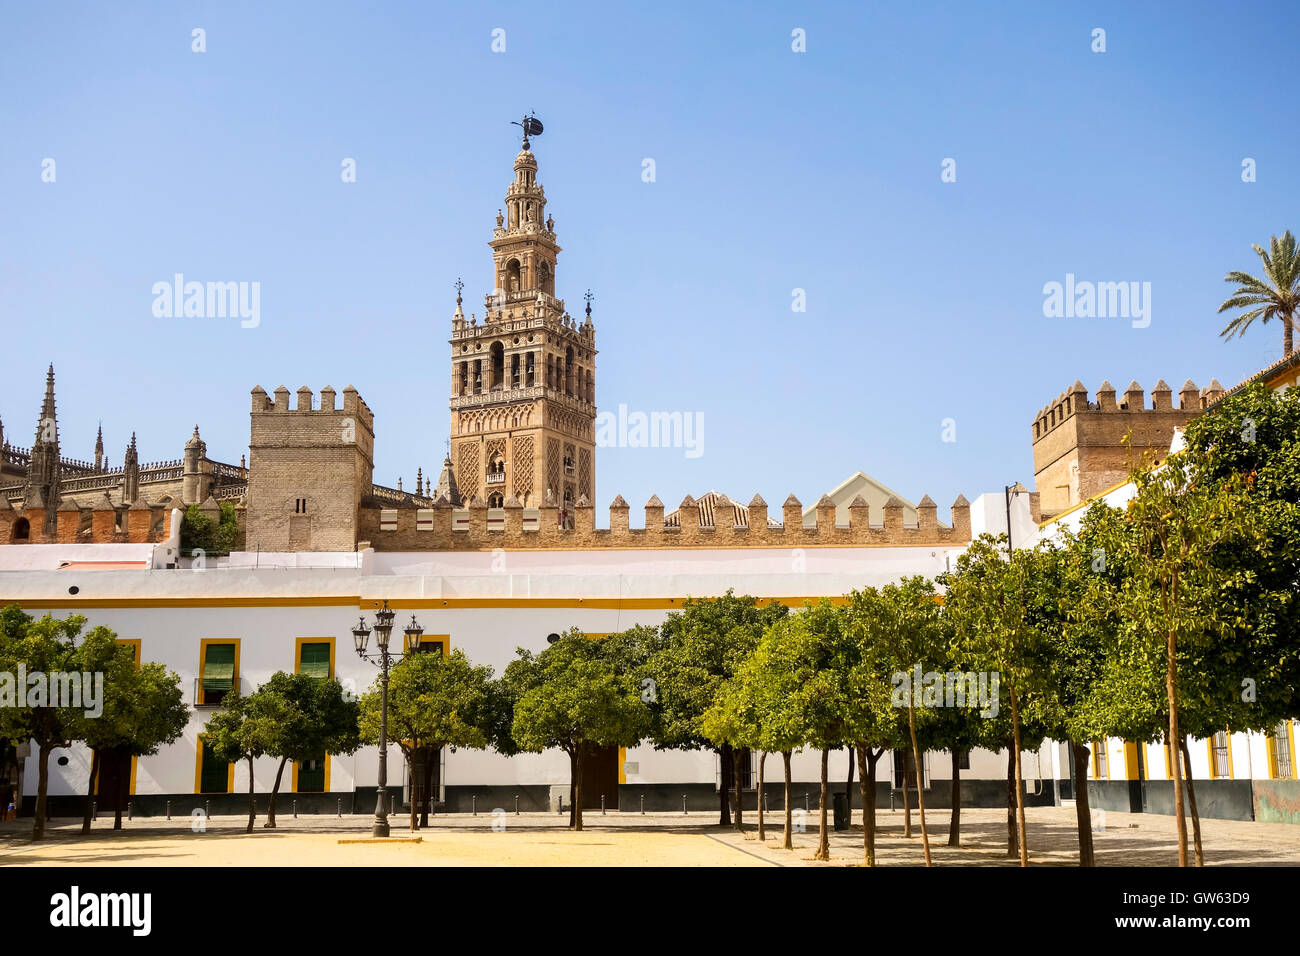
<point>632,839</point>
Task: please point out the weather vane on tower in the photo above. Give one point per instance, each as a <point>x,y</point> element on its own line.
<point>531,126</point>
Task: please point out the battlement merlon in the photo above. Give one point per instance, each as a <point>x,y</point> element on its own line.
<point>1074,401</point>
<point>441,528</point>
<point>1082,447</point>
<point>353,404</point>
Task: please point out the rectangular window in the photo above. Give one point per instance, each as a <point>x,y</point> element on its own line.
<point>1101,762</point>
<point>309,776</point>
<point>388,519</point>
<point>214,774</point>
<point>432,644</point>
<point>424,519</point>
<point>315,658</point>
<point>219,671</point>
<point>1280,756</point>
<point>1220,756</point>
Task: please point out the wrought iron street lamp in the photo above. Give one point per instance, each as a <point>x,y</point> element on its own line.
<point>383,631</point>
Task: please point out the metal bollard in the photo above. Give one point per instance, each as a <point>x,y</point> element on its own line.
<point>94,810</point>
<point>295,809</point>
<point>683,804</point>
<point>602,804</point>
<point>516,804</point>
<point>340,806</point>
<point>130,808</point>
<point>643,804</point>
<point>805,801</point>
<point>207,808</point>
<point>765,809</point>
<point>561,811</point>
<point>169,809</point>
<point>473,803</point>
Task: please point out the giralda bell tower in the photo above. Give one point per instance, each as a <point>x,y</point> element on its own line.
<point>523,380</point>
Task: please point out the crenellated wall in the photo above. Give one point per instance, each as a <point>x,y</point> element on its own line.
<point>478,528</point>
<point>1083,446</point>
<point>308,469</point>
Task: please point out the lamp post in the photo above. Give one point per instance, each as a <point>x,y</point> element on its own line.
<point>384,661</point>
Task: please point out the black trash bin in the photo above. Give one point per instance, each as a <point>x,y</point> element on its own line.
<point>840,807</point>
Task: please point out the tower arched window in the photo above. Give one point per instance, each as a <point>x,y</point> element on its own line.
<point>495,500</point>
<point>512,276</point>
<point>22,530</point>
<point>545,281</point>
<point>498,365</point>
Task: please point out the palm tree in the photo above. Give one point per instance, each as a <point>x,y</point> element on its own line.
<point>1278,297</point>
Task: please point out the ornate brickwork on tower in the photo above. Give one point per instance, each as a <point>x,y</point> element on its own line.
<point>523,381</point>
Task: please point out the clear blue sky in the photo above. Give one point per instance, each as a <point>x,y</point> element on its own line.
<point>775,171</point>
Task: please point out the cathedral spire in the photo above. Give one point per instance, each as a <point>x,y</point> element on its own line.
<point>99,448</point>
<point>42,486</point>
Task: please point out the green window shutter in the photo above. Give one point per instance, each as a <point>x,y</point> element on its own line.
<point>314,659</point>
<point>215,774</point>
<point>311,776</point>
<point>219,668</point>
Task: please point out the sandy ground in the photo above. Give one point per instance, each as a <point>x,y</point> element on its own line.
<point>631,839</point>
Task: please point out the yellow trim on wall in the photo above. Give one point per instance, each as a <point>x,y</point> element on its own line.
<point>198,769</point>
<point>203,651</point>
<point>131,642</point>
<point>622,756</point>
<point>1130,760</point>
<point>298,642</point>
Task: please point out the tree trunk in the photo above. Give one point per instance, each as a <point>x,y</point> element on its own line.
<point>275,789</point>
<point>1020,787</point>
<point>1286,336</point>
<point>1082,812</point>
<point>954,825</point>
<point>90,791</point>
<point>577,793</point>
<point>42,789</point>
<point>252,799</point>
<point>724,785</point>
<point>428,800</point>
<point>762,758</point>
<point>1191,799</point>
<point>823,842</point>
<point>573,786</point>
<point>867,779</point>
<point>907,807</point>
<point>1013,835</point>
<point>735,778</point>
<point>848,784</point>
<point>788,843</point>
<point>1171,684</point>
<point>416,783</point>
<point>920,784</point>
